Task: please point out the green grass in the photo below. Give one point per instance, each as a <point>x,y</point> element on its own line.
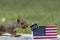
<point>43,12</point>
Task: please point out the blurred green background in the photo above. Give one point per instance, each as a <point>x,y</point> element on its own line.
<point>42,12</point>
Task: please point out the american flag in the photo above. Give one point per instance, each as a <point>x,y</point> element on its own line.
<point>48,32</point>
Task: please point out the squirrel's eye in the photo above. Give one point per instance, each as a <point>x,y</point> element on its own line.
<point>22,23</point>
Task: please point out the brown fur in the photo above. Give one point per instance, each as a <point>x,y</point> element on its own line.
<point>11,27</point>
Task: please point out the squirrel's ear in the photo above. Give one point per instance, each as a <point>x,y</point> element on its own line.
<point>21,20</point>
<point>18,20</point>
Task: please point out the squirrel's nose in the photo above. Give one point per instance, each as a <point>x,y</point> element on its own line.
<point>27,25</point>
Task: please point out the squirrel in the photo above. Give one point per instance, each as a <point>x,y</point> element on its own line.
<point>11,27</point>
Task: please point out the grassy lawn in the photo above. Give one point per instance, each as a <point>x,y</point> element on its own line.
<point>43,12</point>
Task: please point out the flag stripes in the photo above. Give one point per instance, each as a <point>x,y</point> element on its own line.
<point>50,31</point>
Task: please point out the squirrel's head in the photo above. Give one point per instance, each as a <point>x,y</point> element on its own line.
<point>22,24</point>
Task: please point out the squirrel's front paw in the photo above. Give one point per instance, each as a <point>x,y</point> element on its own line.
<point>15,35</point>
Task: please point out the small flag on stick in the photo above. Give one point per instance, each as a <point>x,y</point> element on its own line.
<point>45,32</point>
